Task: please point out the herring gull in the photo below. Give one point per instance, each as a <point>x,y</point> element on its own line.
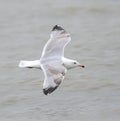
<point>52,61</point>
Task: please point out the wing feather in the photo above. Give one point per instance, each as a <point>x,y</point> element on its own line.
<point>51,59</point>
<point>53,77</point>
<point>59,38</point>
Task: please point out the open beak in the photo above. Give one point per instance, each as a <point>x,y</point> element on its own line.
<point>83,66</point>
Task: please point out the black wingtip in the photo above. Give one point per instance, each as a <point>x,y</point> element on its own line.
<point>45,91</point>
<point>57,27</point>
<point>49,90</point>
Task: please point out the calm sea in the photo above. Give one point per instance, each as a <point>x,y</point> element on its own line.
<point>90,94</point>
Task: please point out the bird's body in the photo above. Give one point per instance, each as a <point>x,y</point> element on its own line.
<point>52,61</point>
<point>36,63</point>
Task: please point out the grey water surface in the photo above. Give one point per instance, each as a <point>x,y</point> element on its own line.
<point>90,94</point>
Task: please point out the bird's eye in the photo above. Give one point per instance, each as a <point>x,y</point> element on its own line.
<point>74,62</point>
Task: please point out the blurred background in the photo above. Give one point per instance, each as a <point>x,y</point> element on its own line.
<point>90,94</point>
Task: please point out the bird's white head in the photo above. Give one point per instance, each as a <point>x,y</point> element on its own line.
<point>69,64</point>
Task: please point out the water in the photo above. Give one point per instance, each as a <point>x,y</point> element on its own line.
<point>90,94</point>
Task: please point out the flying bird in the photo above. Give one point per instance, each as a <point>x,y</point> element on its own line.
<point>52,61</point>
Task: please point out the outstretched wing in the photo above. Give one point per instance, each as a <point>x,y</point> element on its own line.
<point>54,48</point>
<point>54,75</point>
<point>51,59</point>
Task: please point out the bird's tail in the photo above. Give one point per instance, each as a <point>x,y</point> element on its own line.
<point>29,64</point>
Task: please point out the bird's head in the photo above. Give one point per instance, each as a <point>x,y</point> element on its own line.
<point>76,64</point>
<point>73,64</point>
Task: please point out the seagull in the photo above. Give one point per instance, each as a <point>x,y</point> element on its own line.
<point>52,61</point>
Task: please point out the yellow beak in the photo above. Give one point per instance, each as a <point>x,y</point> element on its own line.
<point>83,66</point>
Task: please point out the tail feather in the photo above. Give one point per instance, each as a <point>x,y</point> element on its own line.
<point>29,64</point>
<point>23,64</point>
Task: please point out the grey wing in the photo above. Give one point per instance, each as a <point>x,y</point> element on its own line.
<point>59,38</point>
<point>53,77</point>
